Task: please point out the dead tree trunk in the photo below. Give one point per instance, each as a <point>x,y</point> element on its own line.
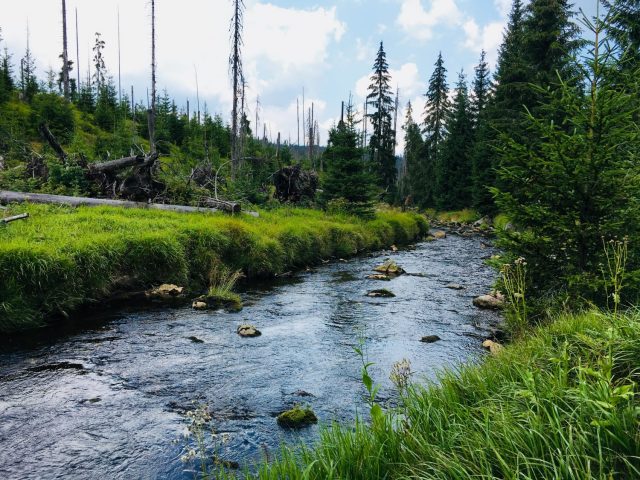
<point>22,216</point>
<point>235,63</point>
<point>53,143</point>
<point>152,111</point>
<point>65,56</point>
<point>119,164</point>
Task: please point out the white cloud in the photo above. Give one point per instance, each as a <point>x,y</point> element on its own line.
<point>406,78</point>
<point>419,22</point>
<point>503,6</point>
<point>487,38</point>
<point>365,50</point>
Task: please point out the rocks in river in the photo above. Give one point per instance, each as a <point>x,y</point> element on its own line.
<point>379,276</point>
<point>303,393</point>
<point>430,339</point>
<point>493,301</point>
<point>166,292</point>
<point>439,235</point>
<point>494,347</point>
<point>198,305</point>
<point>430,238</point>
<point>297,417</point>
<point>228,301</point>
<point>195,339</point>
<point>454,286</point>
<point>394,248</point>
<point>381,293</point>
<point>248,331</point>
<point>389,267</point>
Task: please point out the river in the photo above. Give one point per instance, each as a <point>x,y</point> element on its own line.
<point>108,397</point>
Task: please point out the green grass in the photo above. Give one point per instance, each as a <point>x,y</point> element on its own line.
<point>61,258</point>
<point>460,216</point>
<point>561,404</point>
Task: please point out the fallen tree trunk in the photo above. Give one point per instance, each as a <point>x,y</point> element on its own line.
<point>18,197</point>
<point>53,143</point>
<point>22,216</point>
<point>119,164</point>
<point>231,207</point>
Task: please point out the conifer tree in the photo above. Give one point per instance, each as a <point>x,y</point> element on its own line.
<point>481,90</point>
<point>504,112</point>
<point>624,29</point>
<point>28,81</point>
<point>435,130</point>
<point>380,107</point>
<point>6,74</point>
<point>346,177</point>
<point>413,150</point>
<point>455,165</point>
<point>579,186</point>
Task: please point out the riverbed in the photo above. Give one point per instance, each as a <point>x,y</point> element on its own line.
<point>109,397</point>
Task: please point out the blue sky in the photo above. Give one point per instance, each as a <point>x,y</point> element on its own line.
<point>327,47</point>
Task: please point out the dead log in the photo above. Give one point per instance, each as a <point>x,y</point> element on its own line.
<point>120,163</point>
<point>53,143</point>
<point>224,205</point>
<point>22,216</point>
<point>7,197</point>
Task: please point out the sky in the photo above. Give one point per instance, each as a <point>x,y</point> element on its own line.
<point>326,47</point>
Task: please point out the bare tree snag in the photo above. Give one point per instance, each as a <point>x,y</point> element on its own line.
<point>235,64</point>
<point>152,111</point>
<point>65,56</point>
<point>53,143</point>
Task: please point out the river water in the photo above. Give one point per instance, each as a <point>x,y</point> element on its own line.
<point>108,398</point>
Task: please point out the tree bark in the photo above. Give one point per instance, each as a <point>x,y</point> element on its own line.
<point>7,197</point>
<point>231,207</point>
<point>22,216</point>
<point>119,164</point>
<point>51,139</point>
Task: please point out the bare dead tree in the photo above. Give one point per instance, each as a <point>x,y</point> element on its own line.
<point>237,78</point>
<point>65,56</point>
<point>298,115</point>
<point>395,117</point>
<point>77,52</point>
<point>197,93</point>
<point>119,69</point>
<point>152,111</point>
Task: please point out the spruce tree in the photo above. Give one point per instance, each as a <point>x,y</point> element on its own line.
<point>624,30</point>
<point>346,177</point>
<point>6,77</point>
<point>413,150</point>
<point>434,127</point>
<point>382,144</point>
<point>577,188</point>
<point>455,164</point>
<point>481,90</point>
<point>28,80</point>
<point>504,113</point>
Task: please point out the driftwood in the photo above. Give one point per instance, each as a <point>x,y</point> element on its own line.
<point>53,143</point>
<point>293,184</point>
<point>22,216</point>
<point>231,207</point>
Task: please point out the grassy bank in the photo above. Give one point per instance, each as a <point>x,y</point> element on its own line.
<point>62,258</point>
<point>561,404</point>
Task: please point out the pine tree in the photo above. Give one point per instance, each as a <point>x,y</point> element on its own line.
<point>6,74</point>
<point>566,194</point>
<point>381,106</point>
<point>455,170</point>
<point>624,29</point>
<point>98,63</point>
<point>28,80</point>
<point>413,150</point>
<point>435,118</point>
<point>481,90</point>
<point>347,178</point>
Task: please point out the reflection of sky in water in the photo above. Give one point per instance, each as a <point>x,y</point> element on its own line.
<point>119,416</point>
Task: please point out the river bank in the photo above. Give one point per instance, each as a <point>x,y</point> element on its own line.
<point>62,258</point>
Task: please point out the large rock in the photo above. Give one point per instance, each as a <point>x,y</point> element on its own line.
<point>489,302</point>
<point>389,267</point>
<point>439,235</point>
<point>430,339</point>
<point>297,417</point>
<point>166,293</point>
<point>494,347</point>
<point>454,286</point>
<point>248,331</point>
<point>379,276</point>
<point>381,293</point>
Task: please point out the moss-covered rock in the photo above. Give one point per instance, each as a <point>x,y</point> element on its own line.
<point>297,417</point>
<point>383,292</point>
<point>248,331</point>
<point>216,300</point>
<point>389,267</point>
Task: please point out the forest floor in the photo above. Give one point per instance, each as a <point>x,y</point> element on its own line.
<point>61,258</point>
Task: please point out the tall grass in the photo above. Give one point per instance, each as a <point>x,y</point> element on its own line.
<point>62,257</point>
<point>562,404</point>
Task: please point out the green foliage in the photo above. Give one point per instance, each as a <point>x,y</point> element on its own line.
<point>454,173</point>
<point>413,150</point>
<point>62,258</point>
<point>562,403</point>
<point>347,176</point>
<point>382,142</point>
<point>576,185</point>
<point>56,112</point>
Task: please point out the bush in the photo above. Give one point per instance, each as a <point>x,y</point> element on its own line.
<point>56,113</point>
